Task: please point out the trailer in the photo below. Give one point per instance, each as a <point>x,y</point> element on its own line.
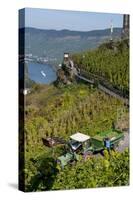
<point>112,136</point>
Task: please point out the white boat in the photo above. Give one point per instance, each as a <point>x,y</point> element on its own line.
<point>42,72</point>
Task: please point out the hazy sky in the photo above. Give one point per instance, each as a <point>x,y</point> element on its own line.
<point>72,20</point>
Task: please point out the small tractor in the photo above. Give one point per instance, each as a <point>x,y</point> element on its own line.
<point>81,145</point>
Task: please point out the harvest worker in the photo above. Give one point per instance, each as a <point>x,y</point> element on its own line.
<point>107,144</point>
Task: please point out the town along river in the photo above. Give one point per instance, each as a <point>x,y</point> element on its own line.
<point>41,73</point>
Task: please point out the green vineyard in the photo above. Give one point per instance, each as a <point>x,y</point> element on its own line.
<point>108,63</point>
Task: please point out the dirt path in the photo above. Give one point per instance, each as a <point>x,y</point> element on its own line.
<point>124,143</point>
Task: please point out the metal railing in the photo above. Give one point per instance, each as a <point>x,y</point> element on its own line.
<point>101,84</point>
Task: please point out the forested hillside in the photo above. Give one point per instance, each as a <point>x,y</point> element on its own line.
<point>52,43</point>
<point>109,62</point>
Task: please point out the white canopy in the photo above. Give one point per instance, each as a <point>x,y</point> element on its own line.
<point>80,137</point>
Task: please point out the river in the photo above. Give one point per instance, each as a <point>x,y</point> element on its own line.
<point>41,73</point>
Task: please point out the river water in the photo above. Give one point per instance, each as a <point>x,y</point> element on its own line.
<point>41,73</point>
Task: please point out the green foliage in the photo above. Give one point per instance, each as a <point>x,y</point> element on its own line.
<point>40,172</point>
<point>62,112</point>
<point>77,108</point>
<point>112,170</point>
<point>112,64</point>
<point>28,82</point>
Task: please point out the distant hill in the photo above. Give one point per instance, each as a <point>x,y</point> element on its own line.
<point>53,43</point>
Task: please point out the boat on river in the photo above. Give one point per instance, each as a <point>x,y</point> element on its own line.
<point>42,72</point>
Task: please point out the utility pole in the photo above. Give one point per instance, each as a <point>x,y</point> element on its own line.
<point>125,30</point>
